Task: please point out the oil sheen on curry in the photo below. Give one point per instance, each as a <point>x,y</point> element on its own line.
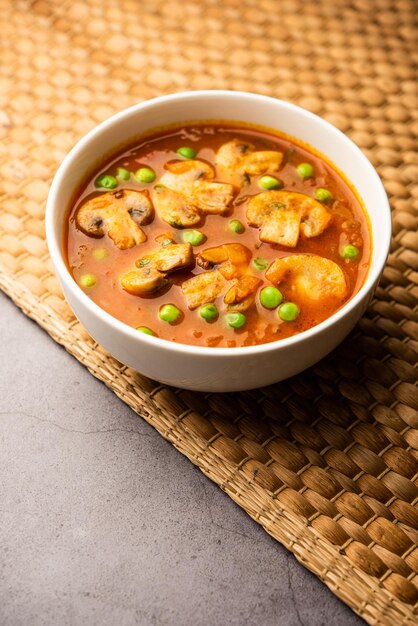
<point>219,236</point>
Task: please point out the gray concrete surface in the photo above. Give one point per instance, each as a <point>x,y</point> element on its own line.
<point>104,523</point>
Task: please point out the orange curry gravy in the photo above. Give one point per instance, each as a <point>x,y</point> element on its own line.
<point>348,226</point>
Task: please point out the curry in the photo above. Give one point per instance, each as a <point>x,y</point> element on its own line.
<point>216,235</point>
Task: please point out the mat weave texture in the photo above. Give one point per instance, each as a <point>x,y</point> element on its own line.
<point>326,462</point>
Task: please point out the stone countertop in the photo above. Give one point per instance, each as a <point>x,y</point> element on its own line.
<point>105,523</point>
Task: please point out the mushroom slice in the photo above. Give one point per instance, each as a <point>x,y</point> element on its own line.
<point>315,220</point>
<point>211,197</point>
<point>234,252</point>
<point>283,215</point>
<point>261,205</point>
<point>172,257</point>
<point>242,293</point>
<point>140,206</point>
<point>117,213</point>
<point>203,288</point>
<point>281,227</point>
<point>187,172</point>
<point>193,179</point>
<point>310,277</point>
<point>232,258</point>
<point>262,161</point>
<point>237,158</point>
<point>143,281</point>
<point>229,270</point>
<point>174,208</point>
<point>150,275</point>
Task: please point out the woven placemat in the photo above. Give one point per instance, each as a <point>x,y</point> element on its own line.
<point>326,461</point>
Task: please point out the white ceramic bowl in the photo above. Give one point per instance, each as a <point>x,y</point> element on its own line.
<point>216,369</point>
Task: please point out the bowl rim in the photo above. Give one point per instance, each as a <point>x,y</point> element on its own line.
<point>56,251</point>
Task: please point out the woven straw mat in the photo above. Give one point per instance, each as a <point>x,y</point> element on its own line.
<point>326,462</point>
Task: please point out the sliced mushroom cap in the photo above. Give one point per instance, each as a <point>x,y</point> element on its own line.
<point>172,257</point>
<point>283,215</point>
<point>261,205</point>
<point>193,179</point>
<point>262,161</point>
<point>238,158</point>
<point>281,227</point>
<point>203,288</point>
<point>211,197</point>
<point>140,206</point>
<point>187,172</point>
<point>152,269</point>
<point>174,208</point>
<point>118,214</point>
<point>236,253</point>
<point>242,293</point>
<point>143,281</point>
<point>310,277</point>
<point>231,258</point>
<point>314,220</point>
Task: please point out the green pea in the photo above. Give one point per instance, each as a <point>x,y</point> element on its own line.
<point>269,182</point>
<point>270,297</point>
<point>236,226</point>
<point>235,320</point>
<point>187,152</point>
<point>288,311</point>
<point>87,280</point>
<point>323,195</point>
<point>260,264</point>
<point>100,254</point>
<point>146,331</point>
<point>122,173</point>
<point>349,252</point>
<point>169,313</point>
<point>145,175</point>
<point>106,181</point>
<point>208,312</point>
<point>195,237</point>
<point>305,170</point>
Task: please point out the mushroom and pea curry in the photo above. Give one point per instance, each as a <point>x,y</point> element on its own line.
<point>216,235</point>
